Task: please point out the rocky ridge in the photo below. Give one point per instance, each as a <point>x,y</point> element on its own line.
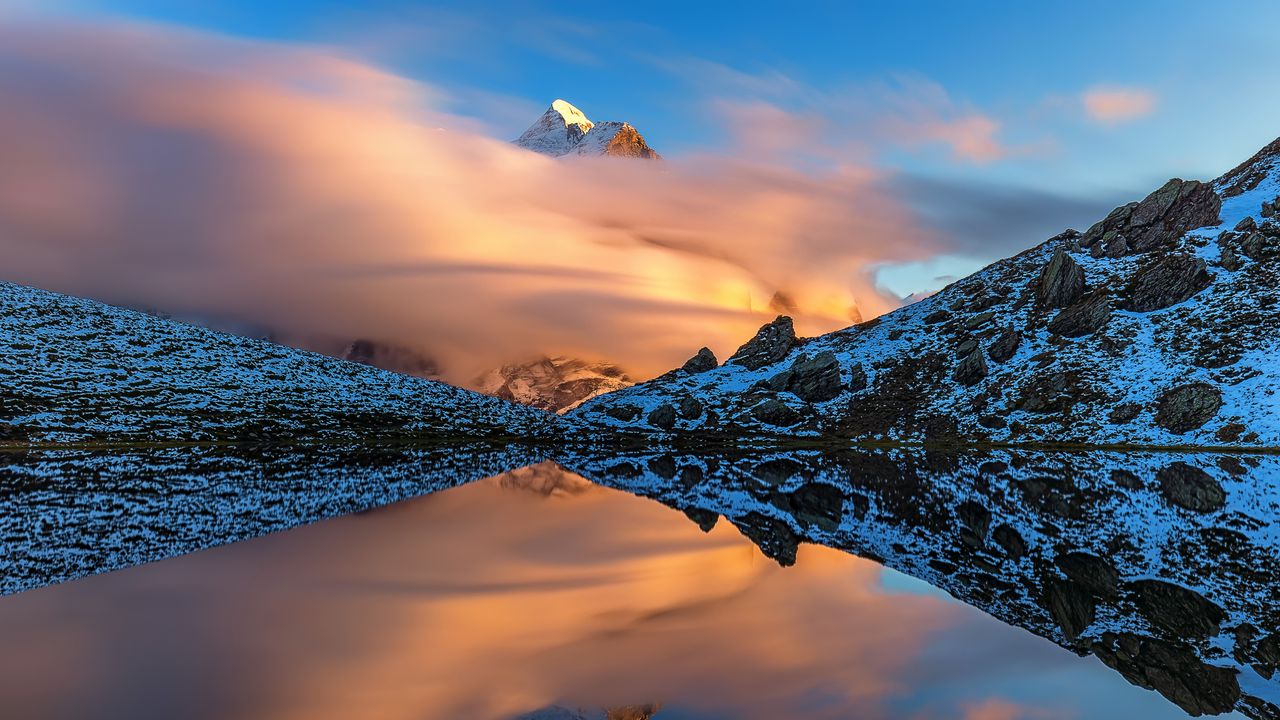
<point>1159,325</point>
<point>564,130</point>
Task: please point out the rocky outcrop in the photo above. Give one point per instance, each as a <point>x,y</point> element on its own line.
<point>1158,221</point>
<point>1061,281</point>
<point>772,342</point>
<point>815,379</point>
<point>1153,340</point>
<point>1165,283</point>
<point>703,361</point>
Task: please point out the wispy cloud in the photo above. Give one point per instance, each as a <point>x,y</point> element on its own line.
<point>1116,105</point>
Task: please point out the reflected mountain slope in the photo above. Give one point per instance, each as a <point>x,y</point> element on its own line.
<point>65,514</point>
<point>1159,564</point>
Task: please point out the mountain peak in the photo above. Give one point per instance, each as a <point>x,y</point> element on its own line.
<point>565,130</point>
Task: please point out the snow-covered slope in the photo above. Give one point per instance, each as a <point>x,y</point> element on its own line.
<point>564,130</point>
<point>78,370</point>
<point>1160,325</point>
<point>553,383</point>
<point>1160,564</point>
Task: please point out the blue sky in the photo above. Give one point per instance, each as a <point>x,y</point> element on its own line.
<point>993,134</point>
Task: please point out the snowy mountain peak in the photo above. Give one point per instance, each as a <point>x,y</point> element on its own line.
<point>571,114</point>
<point>565,130</point>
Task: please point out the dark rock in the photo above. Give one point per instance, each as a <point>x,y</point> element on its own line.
<point>1187,407</point>
<point>1178,610</point>
<point>965,347</point>
<point>1084,317</point>
<point>1124,413</point>
<point>937,316</point>
<point>1259,247</point>
<point>857,378</point>
<point>975,516</point>
<point>775,412</point>
<point>1190,487</point>
<point>1004,345</point>
<point>1247,223</point>
<point>705,360</point>
<point>1126,479</point>
<point>816,379</point>
<point>706,519</point>
<point>1165,283</point>
<point>1071,606</point>
<point>625,413</point>
<point>663,416</point>
<point>1061,281</point>
<point>818,504</point>
<point>1010,540</point>
<point>971,370</point>
<point>979,320</point>
<point>690,408</point>
<point>771,343</point>
<point>1090,572</point>
<point>1158,221</point>
<point>1172,669</point>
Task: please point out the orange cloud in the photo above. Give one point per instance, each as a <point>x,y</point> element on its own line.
<point>289,189</point>
<point>1115,105</point>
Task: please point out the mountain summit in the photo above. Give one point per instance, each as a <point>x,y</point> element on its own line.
<point>565,130</point>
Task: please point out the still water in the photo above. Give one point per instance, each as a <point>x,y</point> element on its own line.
<point>877,584</point>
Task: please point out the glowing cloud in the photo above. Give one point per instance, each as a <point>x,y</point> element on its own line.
<point>311,195</point>
<point>1115,105</point>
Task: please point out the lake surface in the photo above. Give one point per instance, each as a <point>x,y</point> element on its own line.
<point>868,584</point>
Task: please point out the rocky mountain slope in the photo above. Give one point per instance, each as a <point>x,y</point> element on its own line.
<point>553,383</point>
<point>564,130</point>
<point>1160,325</point>
<point>78,370</point>
<point>1157,563</point>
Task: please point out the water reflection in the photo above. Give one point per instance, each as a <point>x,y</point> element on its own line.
<point>542,594</point>
<point>1161,565</point>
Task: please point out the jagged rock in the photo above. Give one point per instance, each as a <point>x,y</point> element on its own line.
<point>1178,610</point>
<point>1071,605</point>
<point>690,408</point>
<point>771,343</point>
<point>1091,572</point>
<point>775,412</point>
<point>1084,317</point>
<point>1190,487</point>
<point>971,370</point>
<point>702,362</point>
<point>1166,282</point>
<point>857,378</point>
<point>818,504</point>
<point>1004,345</point>
<point>663,416</point>
<point>1257,246</point>
<point>1160,219</point>
<point>1061,281</point>
<point>1171,669</point>
<point>1187,407</point>
<point>816,379</point>
<point>937,316</point>
<point>1247,223</point>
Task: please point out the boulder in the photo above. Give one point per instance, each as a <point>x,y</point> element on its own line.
<point>1084,317</point>
<point>1165,283</point>
<point>1187,407</point>
<point>775,412</point>
<point>971,370</point>
<point>1090,572</point>
<point>1190,487</point>
<point>816,379</point>
<point>625,413</point>
<point>1071,606</point>
<point>1181,611</point>
<point>690,408</point>
<point>702,362</point>
<point>771,343</point>
<point>1004,345</point>
<point>663,416</point>
<point>1061,281</point>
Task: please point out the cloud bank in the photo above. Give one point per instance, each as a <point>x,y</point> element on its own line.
<point>1115,105</point>
<point>294,189</point>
